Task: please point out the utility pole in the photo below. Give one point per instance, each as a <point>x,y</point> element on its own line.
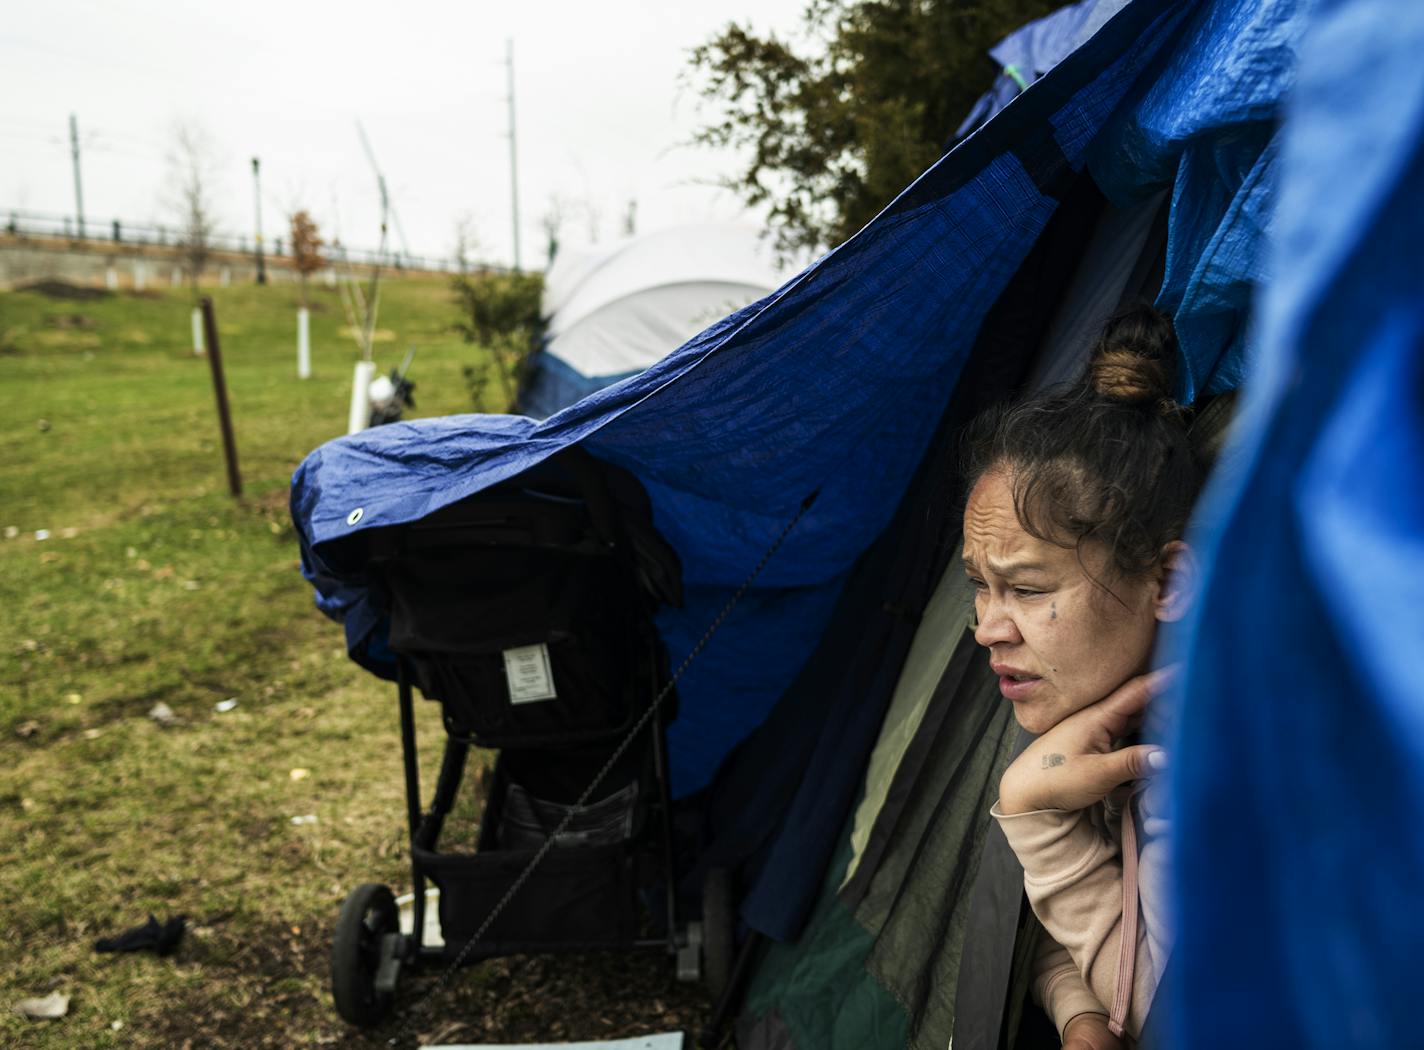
<point>78,185</point>
<point>513,150</point>
<point>257,191</point>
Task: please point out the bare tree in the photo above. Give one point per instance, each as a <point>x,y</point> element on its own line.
<point>552,221</point>
<point>466,241</point>
<point>593,215</point>
<point>190,167</point>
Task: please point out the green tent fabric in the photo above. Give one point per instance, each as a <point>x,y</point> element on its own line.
<point>816,992</point>
<point>879,962</point>
<point>918,899</point>
<point>944,620</point>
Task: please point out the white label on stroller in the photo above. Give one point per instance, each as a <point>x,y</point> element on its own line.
<point>530,676</point>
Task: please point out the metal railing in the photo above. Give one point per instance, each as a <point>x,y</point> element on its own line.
<point>20,223</point>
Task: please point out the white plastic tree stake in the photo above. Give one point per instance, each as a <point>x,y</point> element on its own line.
<point>303,343</point>
<point>197,330</point>
<point>360,397</point>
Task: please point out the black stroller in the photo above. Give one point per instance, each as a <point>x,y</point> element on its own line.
<point>526,611</point>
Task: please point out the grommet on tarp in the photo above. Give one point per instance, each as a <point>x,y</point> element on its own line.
<point>355,516</point>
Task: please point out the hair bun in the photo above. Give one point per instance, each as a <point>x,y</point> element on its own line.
<point>1135,359</point>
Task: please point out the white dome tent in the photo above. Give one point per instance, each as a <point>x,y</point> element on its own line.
<point>610,312</point>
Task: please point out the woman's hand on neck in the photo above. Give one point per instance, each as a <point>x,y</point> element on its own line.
<point>1073,765</point>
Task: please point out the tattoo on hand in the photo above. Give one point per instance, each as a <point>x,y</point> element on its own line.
<point>1049,761</point>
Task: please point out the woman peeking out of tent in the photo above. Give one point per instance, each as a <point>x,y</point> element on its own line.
<point>1073,545</point>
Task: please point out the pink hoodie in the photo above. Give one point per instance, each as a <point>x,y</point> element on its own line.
<point>1073,876</point>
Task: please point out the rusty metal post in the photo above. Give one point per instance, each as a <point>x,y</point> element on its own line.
<point>210,333</point>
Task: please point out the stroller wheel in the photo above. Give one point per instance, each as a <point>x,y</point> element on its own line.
<point>367,916</point>
<point>718,928</point>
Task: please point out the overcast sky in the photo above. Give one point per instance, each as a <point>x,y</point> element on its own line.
<point>603,113</point>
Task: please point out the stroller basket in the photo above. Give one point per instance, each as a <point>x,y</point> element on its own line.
<point>582,896</point>
<point>528,820</point>
<point>578,899</point>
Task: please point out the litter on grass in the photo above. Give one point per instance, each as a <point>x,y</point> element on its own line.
<point>49,1008</point>
<point>433,936</point>
<point>150,936</point>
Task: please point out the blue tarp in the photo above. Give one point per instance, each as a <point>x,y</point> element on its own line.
<point>1206,126</point>
<point>1300,755</point>
<point>554,384</point>
<point>836,381</point>
<point>1028,53</point>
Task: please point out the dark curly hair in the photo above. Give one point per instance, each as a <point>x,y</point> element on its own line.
<point>1106,459</point>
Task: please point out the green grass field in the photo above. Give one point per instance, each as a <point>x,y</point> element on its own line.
<point>155,585</point>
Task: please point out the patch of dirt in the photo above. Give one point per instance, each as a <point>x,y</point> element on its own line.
<point>271,504</point>
<point>51,288</point>
<point>69,322</point>
<point>68,339</point>
<point>606,995</point>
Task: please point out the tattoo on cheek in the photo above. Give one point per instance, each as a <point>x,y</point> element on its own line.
<point>1053,611</point>
<point>1049,761</point>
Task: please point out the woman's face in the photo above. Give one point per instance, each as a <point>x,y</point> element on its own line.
<point>1056,640</point>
